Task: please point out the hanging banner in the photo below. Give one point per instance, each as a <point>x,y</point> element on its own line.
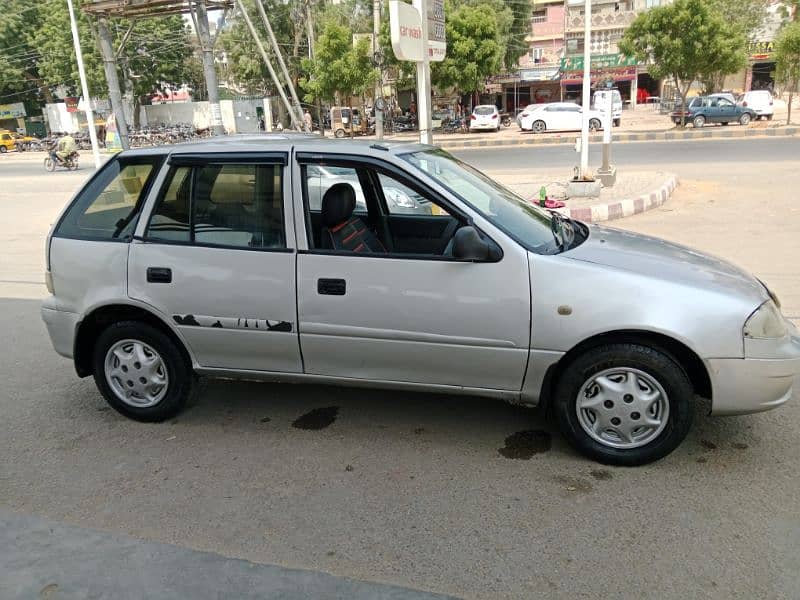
<point>72,104</point>
<point>112,137</point>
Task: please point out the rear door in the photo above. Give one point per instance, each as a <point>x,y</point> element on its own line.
<point>217,259</point>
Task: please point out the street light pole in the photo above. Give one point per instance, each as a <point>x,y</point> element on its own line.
<point>587,83</point>
<point>84,86</point>
<point>424,78</point>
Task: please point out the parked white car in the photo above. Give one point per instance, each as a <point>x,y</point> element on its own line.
<point>557,116</point>
<point>207,259</point>
<point>760,102</point>
<point>484,117</point>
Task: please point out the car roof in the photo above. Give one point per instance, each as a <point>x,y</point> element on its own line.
<point>284,142</point>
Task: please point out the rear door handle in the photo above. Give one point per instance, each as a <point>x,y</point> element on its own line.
<point>159,275</point>
<point>331,287</point>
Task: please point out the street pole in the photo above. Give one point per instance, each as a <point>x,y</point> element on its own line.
<point>376,29</point>
<point>587,82</point>
<point>209,69</point>
<point>84,86</point>
<point>424,78</point>
<point>110,67</point>
<point>279,55</point>
<point>268,62</point>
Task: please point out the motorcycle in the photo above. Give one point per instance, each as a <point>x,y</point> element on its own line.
<point>53,160</point>
<point>505,119</point>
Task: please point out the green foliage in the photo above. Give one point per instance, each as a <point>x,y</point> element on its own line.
<point>473,48</point>
<point>685,41</point>
<point>340,69</point>
<point>513,24</point>
<point>404,71</point>
<point>787,60</point>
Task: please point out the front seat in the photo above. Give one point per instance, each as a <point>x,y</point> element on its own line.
<point>340,229</point>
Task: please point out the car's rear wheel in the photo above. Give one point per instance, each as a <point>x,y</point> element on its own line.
<point>538,127</point>
<point>594,124</point>
<point>744,119</point>
<point>141,372</point>
<point>699,121</point>
<point>339,133</point>
<point>624,404</point>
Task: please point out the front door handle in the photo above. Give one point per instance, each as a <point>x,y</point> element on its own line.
<point>159,275</point>
<point>331,287</point>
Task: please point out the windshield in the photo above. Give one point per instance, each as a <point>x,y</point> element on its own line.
<point>484,110</point>
<point>530,225</point>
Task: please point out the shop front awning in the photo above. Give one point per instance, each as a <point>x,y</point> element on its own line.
<point>617,74</point>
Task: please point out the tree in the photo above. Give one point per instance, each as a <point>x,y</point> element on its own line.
<point>340,69</point>
<point>20,79</point>
<point>473,49</point>
<point>513,24</point>
<point>787,61</point>
<point>744,16</point>
<point>685,41</point>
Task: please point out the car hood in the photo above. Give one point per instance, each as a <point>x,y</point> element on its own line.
<point>659,259</point>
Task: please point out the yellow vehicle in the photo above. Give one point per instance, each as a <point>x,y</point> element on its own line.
<point>7,142</point>
<point>342,125</point>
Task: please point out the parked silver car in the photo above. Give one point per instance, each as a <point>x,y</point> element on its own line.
<point>208,259</point>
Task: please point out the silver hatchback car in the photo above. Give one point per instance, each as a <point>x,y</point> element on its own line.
<point>216,259</point>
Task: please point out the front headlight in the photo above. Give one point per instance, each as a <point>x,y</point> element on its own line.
<point>399,198</point>
<point>766,322</point>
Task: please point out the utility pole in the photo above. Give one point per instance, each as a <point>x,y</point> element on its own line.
<point>84,86</point>
<point>209,69</point>
<point>376,29</point>
<point>310,34</point>
<point>273,75</point>
<point>424,78</point>
<point>110,67</point>
<point>279,55</point>
<point>587,83</point>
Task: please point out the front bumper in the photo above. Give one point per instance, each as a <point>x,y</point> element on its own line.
<point>747,385</point>
<point>61,326</point>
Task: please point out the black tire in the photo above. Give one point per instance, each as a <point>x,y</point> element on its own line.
<point>181,379</point>
<point>744,119</point>
<point>617,122</point>
<point>724,123</point>
<point>49,164</point>
<point>658,365</point>
<point>339,133</point>
<point>538,127</point>
<point>3,150</point>
<point>594,125</point>
<point>699,121</point>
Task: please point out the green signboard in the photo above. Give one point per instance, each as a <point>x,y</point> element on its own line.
<point>599,61</point>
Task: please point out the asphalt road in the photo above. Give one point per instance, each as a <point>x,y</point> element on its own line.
<point>739,154</point>
<point>413,489</point>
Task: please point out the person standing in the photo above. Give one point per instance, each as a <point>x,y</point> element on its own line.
<point>309,123</point>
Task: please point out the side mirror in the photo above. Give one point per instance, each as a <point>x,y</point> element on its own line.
<point>468,245</point>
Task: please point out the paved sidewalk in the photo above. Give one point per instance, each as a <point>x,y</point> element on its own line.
<point>44,559</point>
<point>634,192</point>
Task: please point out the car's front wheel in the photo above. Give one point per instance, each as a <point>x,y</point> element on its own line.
<point>141,372</point>
<point>624,404</point>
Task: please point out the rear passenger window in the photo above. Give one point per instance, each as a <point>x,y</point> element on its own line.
<point>108,207</point>
<point>228,205</point>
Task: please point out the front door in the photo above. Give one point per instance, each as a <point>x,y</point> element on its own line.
<point>216,258</point>
<point>411,313</point>
<point>727,111</point>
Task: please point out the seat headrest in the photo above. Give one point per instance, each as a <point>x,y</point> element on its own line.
<point>338,204</point>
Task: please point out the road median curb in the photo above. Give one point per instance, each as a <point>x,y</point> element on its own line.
<point>623,208</point>
<point>639,136</point>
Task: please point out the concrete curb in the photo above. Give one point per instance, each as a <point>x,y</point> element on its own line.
<point>640,136</point>
<point>623,208</point>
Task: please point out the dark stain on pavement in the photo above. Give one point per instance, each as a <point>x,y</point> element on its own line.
<point>601,474</point>
<point>708,445</point>
<point>48,590</point>
<point>524,444</point>
<point>701,459</point>
<point>316,419</point>
<point>740,446</point>
<point>265,419</point>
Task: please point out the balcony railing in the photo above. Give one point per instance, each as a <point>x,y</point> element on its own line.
<point>617,19</point>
